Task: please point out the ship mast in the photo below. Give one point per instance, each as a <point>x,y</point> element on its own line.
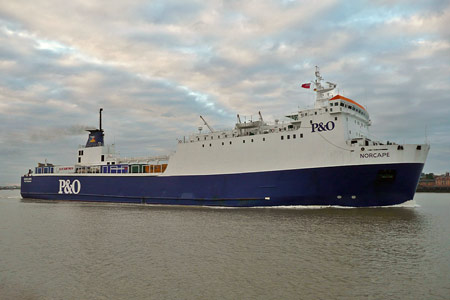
<point>321,97</point>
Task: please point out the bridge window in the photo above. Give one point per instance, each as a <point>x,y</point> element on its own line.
<point>336,104</point>
<point>294,136</point>
<point>79,159</point>
<point>288,137</point>
<point>301,135</point>
<point>103,158</point>
<point>282,137</point>
<point>342,104</point>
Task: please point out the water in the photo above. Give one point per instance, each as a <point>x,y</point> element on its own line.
<point>67,250</point>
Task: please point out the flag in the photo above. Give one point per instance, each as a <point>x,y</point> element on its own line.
<point>306,85</point>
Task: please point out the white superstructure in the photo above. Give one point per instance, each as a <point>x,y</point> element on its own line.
<point>333,133</point>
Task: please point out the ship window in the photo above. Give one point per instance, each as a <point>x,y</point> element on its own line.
<point>205,138</point>
<point>211,137</point>
<point>342,104</point>
<point>243,141</point>
<point>226,135</point>
<point>264,139</point>
<point>252,140</point>
<point>301,135</point>
<point>294,136</point>
<point>103,158</point>
<point>198,139</point>
<point>223,143</point>
<point>288,137</point>
<point>315,112</point>
<point>336,104</point>
<point>230,142</point>
<point>331,109</point>
<point>210,145</point>
<point>113,163</point>
<point>335,118</point>
<point>79,159</point>
<point>203,145</point>
<point>326,109</point>
<point>282,137</point>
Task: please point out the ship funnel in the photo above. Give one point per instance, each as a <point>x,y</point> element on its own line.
<point>95,138</point>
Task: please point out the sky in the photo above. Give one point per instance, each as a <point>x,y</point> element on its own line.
<point>155,66</point>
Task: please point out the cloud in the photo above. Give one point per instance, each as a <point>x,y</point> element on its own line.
<point>156,66</point>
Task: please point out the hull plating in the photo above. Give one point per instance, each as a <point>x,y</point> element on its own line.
<point>356,186</point>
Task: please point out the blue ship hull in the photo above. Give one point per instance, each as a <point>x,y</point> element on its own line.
<point>356,186</point>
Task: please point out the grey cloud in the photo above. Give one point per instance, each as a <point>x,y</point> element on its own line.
<point>156,67</point>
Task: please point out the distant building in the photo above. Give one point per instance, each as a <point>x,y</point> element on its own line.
<point>434,183</point>
<point>443,180</point>
<point>427,180</point>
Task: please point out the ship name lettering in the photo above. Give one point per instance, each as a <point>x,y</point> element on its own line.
<point>322,127</point>
<point>374,155</point>
<point>67,187</point>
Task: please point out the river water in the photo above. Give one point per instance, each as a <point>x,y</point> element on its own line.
<point>67,250</point>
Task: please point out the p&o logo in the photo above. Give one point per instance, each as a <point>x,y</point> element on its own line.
<point>67,187</point>
<point>322,127</point>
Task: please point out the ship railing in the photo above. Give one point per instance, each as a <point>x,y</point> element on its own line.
<point>144,159</point>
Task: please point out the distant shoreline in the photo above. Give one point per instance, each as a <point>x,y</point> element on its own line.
<point>433,190</point>
<point>14,187</point>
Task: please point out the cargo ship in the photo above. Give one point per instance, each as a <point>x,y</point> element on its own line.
<point>323,156</point>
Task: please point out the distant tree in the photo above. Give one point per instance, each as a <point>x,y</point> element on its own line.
<point>430,176</point>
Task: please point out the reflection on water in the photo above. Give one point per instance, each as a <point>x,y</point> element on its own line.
<point>67,250</point>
